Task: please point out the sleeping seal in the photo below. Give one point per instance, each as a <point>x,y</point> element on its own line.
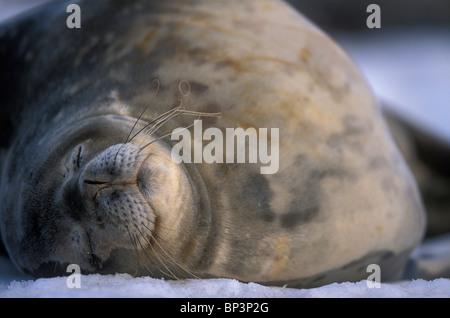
<point>88,177</point>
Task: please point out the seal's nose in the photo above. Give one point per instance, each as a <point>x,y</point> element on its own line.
<point>115,168</point>
<point>118,163</point>
<point>110,188</point>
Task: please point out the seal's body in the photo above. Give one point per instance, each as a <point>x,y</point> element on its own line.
<point>85,182</point>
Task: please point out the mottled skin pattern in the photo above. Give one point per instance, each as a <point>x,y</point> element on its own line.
<point>342,198</point>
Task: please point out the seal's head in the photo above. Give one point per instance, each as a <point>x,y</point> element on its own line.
<point>94,200</point>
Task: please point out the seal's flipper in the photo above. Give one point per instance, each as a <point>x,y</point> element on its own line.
<point>431,260</point>
<point>428,157</point>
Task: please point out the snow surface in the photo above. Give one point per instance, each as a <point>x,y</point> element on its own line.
<point>123,285</point>
<point>16,285</point>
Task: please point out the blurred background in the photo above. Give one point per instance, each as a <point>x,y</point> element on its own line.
<point>407,60</point>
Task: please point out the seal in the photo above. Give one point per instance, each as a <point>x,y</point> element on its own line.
<point>427,155</point>
<point>88,176</point>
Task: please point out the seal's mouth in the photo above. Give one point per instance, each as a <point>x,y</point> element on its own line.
<point>115,187</point>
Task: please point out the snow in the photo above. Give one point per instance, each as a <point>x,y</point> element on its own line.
<point>16,285</point>
<point>123,285</point>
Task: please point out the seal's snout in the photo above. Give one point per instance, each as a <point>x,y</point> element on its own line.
<point>118,163</point>
<point>110,191</point>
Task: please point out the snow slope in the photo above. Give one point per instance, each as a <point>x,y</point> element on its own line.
<point>123,285</point>
<point>16,285</point>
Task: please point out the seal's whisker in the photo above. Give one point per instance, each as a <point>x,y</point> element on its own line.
<point>156,120</point>
<point>155,127</point>
<point>147,219</point>
<point>134,239</point>
<point>151,123</point>
<point>175,112</point>
<point>170,258</point>
<point>147,256</point>
<point>159,138</point>
<point>140,116</point>
<point>161,122</point>
<point>129,134</point>
<point>162,227</point>
<point>201,114</point>
<point>178,113</point>
<point>133,242</point>
<point>164,136</point>
<point>137,120</point>
<point>156,236</point>
<point>161,262</point>
<point>156,254</point>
